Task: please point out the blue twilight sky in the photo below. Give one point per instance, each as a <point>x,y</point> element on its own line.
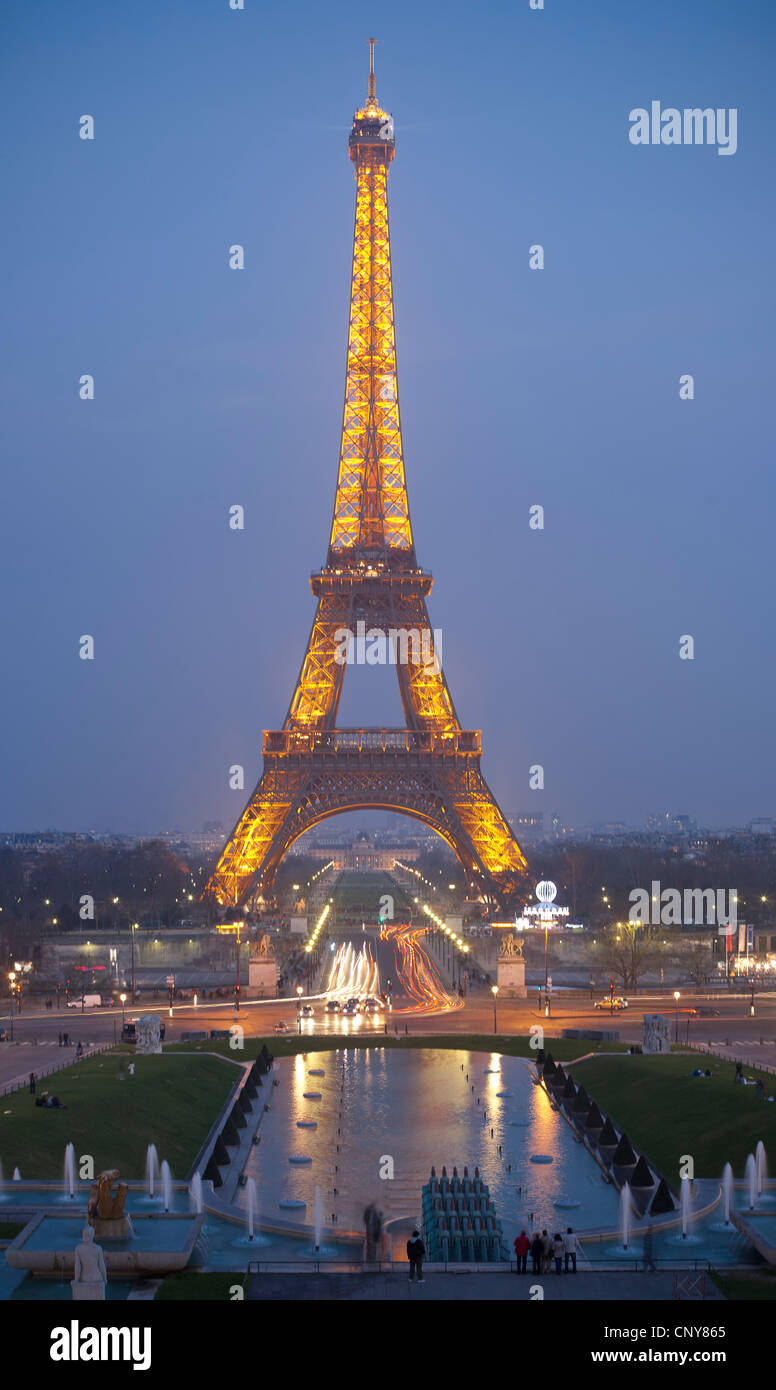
<point>215,387</point>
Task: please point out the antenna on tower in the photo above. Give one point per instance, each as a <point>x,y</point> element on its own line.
<point>371,93</point>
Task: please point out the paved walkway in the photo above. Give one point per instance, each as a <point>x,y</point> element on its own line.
<point>17,1060</point>
<point>468,1286</point>
<point>751,1053</point>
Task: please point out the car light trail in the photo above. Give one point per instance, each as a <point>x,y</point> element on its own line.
<point>354,974</point>
<point>417,971</point>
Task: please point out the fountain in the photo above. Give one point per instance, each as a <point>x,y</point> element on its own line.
<point>152,1168</point>
<point>69,1171</point>
<point>17,1177</point>
<point>625,1214</point>
<point>166,1184</point>
<point>318,1218</point>
<point>727,1190</point>
<point>685,1201</point>
<point>250,1188</point>
<point>750,1174</point>
<point>195,1192</point>
<point>762,1167</point>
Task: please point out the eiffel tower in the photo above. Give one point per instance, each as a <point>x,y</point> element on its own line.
<point>431,768</point>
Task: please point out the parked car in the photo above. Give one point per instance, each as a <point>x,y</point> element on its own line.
<point>611,1002</point>
<point>87,1001</point>
<point>281,1027</point>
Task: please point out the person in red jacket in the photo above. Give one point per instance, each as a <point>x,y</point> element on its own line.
<point>522,1246</point>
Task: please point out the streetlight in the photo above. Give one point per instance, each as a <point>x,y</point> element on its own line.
<point>123,999</point>
<point>676,997</point>
<point>11,977</point>
<point>299,993</point>
<point>236,927</point>
<point>132,930</point>
<point>494,992</point>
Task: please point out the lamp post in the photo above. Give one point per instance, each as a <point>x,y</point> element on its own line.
<point>11,979</point>
<point>132,933</point>
<point>547,915</point>
<point>236,928</point>
<point>299,993</point>
<point>123,999</point>
<point>494,992</point>
<point>676,998</point>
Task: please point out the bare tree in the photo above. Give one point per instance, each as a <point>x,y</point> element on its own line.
<point>630,948</point>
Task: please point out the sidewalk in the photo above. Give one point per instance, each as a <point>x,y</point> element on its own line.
<point>469,1286</point>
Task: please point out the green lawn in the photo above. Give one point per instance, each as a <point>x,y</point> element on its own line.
<point>189,1286</point>
<point>667,1112</point>
<point>171,1101</point>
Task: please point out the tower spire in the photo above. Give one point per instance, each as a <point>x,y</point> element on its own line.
<point>371,93</point>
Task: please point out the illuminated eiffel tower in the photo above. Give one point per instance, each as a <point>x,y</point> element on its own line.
<point>431,768</point>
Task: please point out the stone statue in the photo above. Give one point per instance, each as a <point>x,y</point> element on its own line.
<point>511,968</point>
<point>262,968</point>
<point>657,1033</point>
<point>148,1032</point>
<point>89,1275</point>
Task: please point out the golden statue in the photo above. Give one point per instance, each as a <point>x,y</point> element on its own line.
<point>103,1203</point>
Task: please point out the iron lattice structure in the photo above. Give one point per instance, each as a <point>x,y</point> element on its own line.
<point>431,768</point>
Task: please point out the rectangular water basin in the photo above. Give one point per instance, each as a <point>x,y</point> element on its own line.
<point>159,1244</point>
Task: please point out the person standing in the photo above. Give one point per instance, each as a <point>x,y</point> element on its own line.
<point>570,1248</point>
<point>557,1250</point>
<point>522,1246</point>
<point>546,1252</point>
<point>416,1251</point>
<point>33,1083</point>
<point>537,1251</point>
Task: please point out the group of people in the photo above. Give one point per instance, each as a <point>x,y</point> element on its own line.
<point>545,1249</point>
<point>758,1082</point>
<point>48,1102</point>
